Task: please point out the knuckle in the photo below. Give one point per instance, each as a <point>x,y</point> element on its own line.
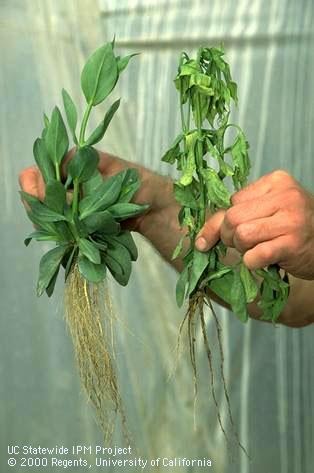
<point>231,217</point>
<point>241,233</point>
<point>296,195</point>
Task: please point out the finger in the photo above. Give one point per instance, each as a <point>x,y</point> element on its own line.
<point>275,180</point>
<point>266,253</point>
<point>31,181</point>
<point>247,235</point>
<point>210,233</point>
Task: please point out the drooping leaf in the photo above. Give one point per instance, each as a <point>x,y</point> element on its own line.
<point>178,249</point>
<point>91,271</point>
<point>71,113</point>
<point>189,166</point>
<point>42,160</point>
<point>48,265</point>
<point>200,262</point>
<point>171,155</point>
<point>51,286</point>
<point>99,132</point>
<point>217,192</point>
<point>69,263</point>
<point>181,286</point>
<point>249,283</point>
<point>99,74</point>
<point>89,250</point>
<point>83,164</point>
<point>184,195</point>
<point>238,297</point>
<point>56,138</point>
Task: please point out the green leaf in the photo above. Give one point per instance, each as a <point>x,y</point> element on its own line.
<point>199,264</point>
<point>189,166</point>
<point>92,184</point>
<point>118,260</point>
<point>69,262</point>
<point>222,286</point>
<point>217,192</point>
<point>181,286</point>
<point>91,271</point>
<point>173,152</point>
<point>41,235</point>
<point>71,113</point>
<point>42,160</point>
<point>51,286</point>
<point>48,265</point>
<point>88,249</point>
<point>130,185</point>
<point>249,283</point>
<point>99,132</point>
<point>39,211</point>
<point>185,196</point>
<point>99,75</point>
<point>101,222</point>
<point>238,298</point>
<point>56,138</point>
<point>122,211</point>
<point>178,248</point>
<point>219,273</point>
<point>125,238</point>
<point>105,195</point>
<point>241,162</point>
<point>83,164</point>
<point>55,196</point>
<point>124,61</point>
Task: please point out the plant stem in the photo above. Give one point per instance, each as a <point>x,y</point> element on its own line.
<point>58,172</point>
<point>199,164</point>
<point>84,123</point>
<point>75,197</point>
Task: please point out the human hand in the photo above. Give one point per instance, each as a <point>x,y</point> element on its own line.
<point>150,192</point>
<point>270,221</point>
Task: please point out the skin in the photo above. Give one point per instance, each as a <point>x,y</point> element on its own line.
<point>270,221</point>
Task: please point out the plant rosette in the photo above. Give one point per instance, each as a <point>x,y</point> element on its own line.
<point>87,232</point>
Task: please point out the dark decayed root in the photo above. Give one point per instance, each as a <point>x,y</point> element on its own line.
<point>194,313</point>
<point>93,341</point>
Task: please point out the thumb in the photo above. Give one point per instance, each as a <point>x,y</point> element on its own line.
<point>210,233</point>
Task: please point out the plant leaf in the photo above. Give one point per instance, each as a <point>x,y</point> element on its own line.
<point>249,283</point>
<point>99,74</point>
<point>199,264</point>
<point>125,238</point>
<point>91,271</point>
<point>83,164</point>
<point>118,260</point>
<point>238,297</point>
<point>102,222</point>
<point>105,195</point>
<point>124,61</point>
<point>89,250</point>
<point>99,132</point>
<point>48,265</point>
<point>42,160</point>
<point>217,192</point>
<point>55,196</point>
<point>71,113</point>
<point>92,184</point>
<point>181,286</point>
<point>56,138</point>
<point>130,185</point>
<point>122,211</point>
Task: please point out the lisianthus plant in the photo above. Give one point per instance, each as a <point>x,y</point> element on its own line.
<point>210,169</point>
<point>87,231</point>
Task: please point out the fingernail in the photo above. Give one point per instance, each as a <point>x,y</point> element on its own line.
<point>201,244</point>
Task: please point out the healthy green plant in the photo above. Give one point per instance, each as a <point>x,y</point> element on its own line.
<point>87,232</point>
<point>209,167</point>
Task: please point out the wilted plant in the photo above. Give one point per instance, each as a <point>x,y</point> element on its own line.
<point>206,164</point>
